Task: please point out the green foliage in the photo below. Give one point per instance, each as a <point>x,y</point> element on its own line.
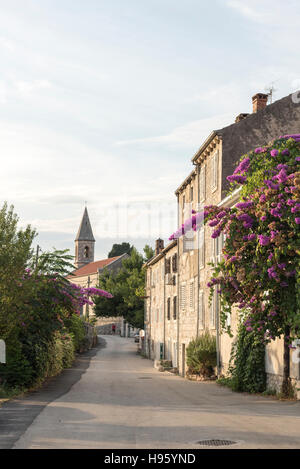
<point>37,308</point>
<point>57,262</point>
<point>202,354</point>
<point>127,287</point>
<point>247,369</point>
<point>75,326</point>
<point>119,249</point>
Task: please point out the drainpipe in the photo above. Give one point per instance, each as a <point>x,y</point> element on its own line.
<point>178,282</point>
<point>164,308</point>
<point>198,249</point>
<point>218,340</point>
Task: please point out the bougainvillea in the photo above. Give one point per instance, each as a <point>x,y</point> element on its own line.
<point>259,272</point>
<point>261,253</point>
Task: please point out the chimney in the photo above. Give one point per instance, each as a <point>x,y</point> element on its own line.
<point>241,117</point>
<point>259,102</point>
<point>159,246</point>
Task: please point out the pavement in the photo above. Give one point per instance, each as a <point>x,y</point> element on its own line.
<point>114,398</point>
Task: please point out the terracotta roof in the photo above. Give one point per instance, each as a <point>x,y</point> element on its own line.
<point>93,267</point>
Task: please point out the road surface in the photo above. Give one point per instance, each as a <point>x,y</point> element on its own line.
<point>121,401</point>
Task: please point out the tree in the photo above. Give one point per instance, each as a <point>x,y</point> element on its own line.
<point>260,272</point>
<point>119,249</point>
<point>15,254</point>
<point>127,287</point>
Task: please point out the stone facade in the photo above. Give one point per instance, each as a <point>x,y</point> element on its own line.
<point>207,185</point>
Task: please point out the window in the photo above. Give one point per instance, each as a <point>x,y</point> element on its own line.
<point>174,263</point>
<point>201,248</point>
<point>202,184</point>
<point>191,194</point>
<point>192,296</point>
<point>86,252</point>
<point>169,309</point>
<point>201,309</point>
<point>212,320</point>
<point>215,168</point>
<point>168,266</point>
<point>175,307</point>
<point>182,297</point>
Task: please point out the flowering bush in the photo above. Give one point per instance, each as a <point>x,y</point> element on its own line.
<point>260,270</point>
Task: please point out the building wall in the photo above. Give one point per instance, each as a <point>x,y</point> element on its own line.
<point>157,325</point>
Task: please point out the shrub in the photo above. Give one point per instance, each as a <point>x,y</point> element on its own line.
<point>247,367</point>
<point>75,326</point>
<point>202,354</point>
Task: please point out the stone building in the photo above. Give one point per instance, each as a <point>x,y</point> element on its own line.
<point>207,185</point>
<point>161,305</point>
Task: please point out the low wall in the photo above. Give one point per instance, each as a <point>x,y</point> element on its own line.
<point>104,325</point>
<point>91,335</point>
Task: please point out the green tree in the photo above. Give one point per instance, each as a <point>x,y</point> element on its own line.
<point>119,249</point>
<point>127,287</point>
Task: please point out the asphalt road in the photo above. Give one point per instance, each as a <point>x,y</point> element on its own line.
<point>118,400</point>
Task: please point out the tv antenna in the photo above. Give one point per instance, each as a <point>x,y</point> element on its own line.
<point>270,91</point>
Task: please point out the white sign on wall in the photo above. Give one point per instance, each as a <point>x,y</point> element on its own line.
<point>2,352</point>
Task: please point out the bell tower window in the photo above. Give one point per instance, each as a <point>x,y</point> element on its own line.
<point>86,252</point>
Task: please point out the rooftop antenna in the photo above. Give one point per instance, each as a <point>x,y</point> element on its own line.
<point>270,91</point>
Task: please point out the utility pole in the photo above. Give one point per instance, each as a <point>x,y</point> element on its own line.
<point>87,306</point>
<point>37,255</point>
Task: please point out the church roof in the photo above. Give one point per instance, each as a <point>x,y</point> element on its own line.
<point>93,267</point>
<point>85,232</point>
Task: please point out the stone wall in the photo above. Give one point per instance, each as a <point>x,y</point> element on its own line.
<point>104,325</point>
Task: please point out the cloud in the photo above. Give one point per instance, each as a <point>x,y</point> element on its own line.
<point>268,11</point>
<point>26,89</point>
<point>191,134</point>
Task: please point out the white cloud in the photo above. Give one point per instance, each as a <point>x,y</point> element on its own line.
<point>270,12</point>
<point>26,89</point>
<point>191,134</point>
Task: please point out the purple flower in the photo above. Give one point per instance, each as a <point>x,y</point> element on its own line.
<point>259,150</point>
<point>252,237</point>
<point>264,218</point>
<point>237,178</point>
<point>297,220</point>
<point>264,240</point>
<point>243,166</point>
<point>244,205</point>
<point>213,223</point>
<point>274,153</point>
<point>285,152</point>
<point>297,159</point>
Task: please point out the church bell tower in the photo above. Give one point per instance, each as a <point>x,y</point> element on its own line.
<point>84,242</point>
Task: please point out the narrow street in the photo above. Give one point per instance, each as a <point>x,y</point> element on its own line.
<point>121,401</point>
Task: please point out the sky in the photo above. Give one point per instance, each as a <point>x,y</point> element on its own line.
<point>105,102</point>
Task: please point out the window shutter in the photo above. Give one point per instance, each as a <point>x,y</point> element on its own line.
<point>175,307</point>
<point>202,184</point>
<point>192,295</point>
<point>213,311</point>
<point>201,309</point>
<point>215,167</point>
<point>182,297</point>
<point>201,247</point>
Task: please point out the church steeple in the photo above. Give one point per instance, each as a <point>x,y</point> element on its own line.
<point>84,242</point>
